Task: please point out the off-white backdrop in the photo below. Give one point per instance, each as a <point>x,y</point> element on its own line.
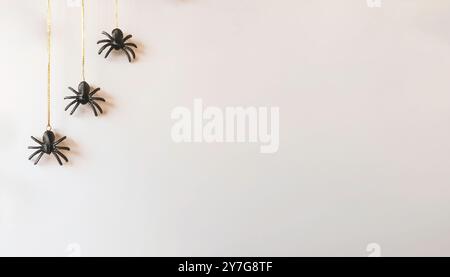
<point>364,99</point>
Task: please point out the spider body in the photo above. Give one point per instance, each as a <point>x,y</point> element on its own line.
<point>84,96</point>
<point>49,145</point>
<point>117,41</point>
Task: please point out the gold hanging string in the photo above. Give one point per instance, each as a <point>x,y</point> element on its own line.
<point>49,39</point>
<point>83,50</point>
<point>116,12</point>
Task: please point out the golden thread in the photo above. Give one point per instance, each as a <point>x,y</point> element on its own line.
<point>116,6</point>
<point>49,38</point>
<point>83,50</point>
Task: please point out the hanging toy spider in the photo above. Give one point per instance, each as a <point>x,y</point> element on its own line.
<point>48,146</point>
<point>117,41</point>
<point>84,96</point>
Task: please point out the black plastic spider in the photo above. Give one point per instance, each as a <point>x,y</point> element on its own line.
<point>85,96</point>
<point>49,146</point>
<point>117,41</point>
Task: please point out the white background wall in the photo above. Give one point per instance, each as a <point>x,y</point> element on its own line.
<point>364,99</point>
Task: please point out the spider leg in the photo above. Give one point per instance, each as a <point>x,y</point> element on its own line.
<point>127,38</point>
<point>62,148</point>
<point>74,91</point>
<point>97,106</point>
<point>103,41</point>
<point>34,154</point>
<point>62,155</point>
<point>93,108</point>
<point>36,140</point>
<point>71,103</point>
<point>56,156</point>
<point>59,141</point>
<point>39,158</point>
<point>131,50</point>
<point>131,44</point>
<point>108,35</point>
<point>70,97</point>
<point>75,108</point>
<point>34,147</point>
<point>98,99</point>
<point>94,91</point>
<point>104,47</point>
<point>109,51</point>
<point>128,54</point>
